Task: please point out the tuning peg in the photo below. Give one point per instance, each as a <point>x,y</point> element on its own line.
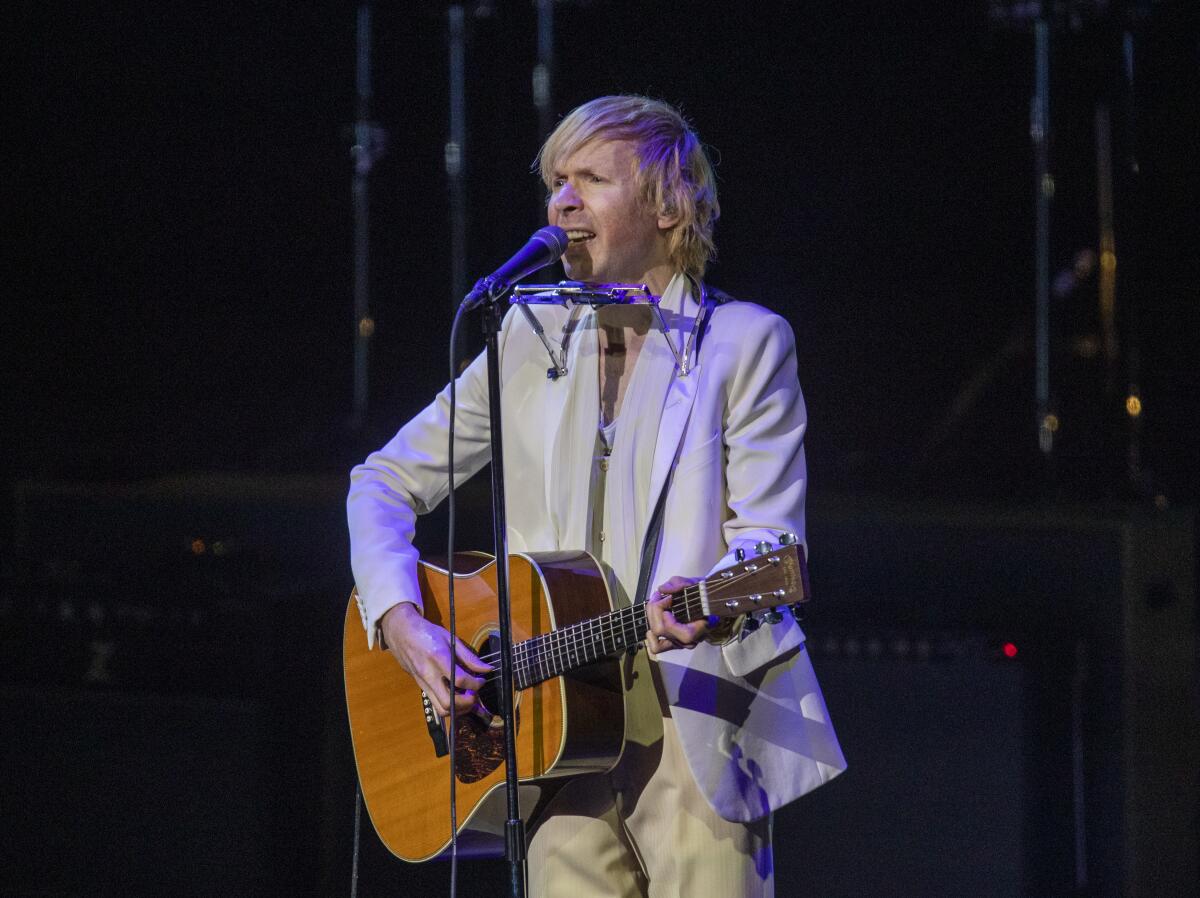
<point>749,625</point>
<point>762,547</point>
<point>798,612</point>
<point>740,554</point>
<point>787,539</point>
<point>772,616</point>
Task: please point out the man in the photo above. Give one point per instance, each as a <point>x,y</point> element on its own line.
<point>703,422</point>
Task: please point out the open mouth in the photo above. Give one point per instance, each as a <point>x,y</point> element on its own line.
<point>577,237</point>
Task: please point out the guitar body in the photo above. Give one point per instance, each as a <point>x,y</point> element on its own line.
<point>566,725</point>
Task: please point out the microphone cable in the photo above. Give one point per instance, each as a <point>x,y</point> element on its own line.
<point>458,314</point>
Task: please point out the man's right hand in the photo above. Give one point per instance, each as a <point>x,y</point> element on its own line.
<point>423,649</point>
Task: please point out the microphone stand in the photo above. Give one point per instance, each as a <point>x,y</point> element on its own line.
<point>514,827</point>
<point>487,294</point>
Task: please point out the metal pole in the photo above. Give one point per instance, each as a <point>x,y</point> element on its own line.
<point>456,155</point>
<point>514,827</point>
<point>543,72</point>
<point>1039,131</point>
<point>1108,248</point>
<point>1131,176</point>
<point>543,88</point>
<point>1078,780</point>
<point>368,146</point>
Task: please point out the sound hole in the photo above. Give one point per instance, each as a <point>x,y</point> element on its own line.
<point>489,695</point>
<point>479,736</point>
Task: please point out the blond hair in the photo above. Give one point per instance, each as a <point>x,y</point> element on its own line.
<point>673,173</point>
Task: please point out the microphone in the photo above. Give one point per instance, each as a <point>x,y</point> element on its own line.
<point>543,248</point>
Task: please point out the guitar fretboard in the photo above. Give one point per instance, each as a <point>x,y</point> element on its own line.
<point>757,584</point>
<point>568,648</point>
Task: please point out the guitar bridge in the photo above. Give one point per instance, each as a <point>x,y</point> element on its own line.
<point>433,723</point>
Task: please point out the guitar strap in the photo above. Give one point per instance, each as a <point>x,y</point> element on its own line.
<point>709,299</point>
<point>650,548</point>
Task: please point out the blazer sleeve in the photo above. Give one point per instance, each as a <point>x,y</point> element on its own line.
<point>766,477</point>
<point>406,478</point>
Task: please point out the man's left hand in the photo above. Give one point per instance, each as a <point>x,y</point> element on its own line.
<point>665,631</point>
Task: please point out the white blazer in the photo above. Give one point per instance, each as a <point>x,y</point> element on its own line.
<point>728,449</point>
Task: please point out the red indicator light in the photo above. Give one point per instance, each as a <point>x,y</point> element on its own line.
<point>1009,649</point>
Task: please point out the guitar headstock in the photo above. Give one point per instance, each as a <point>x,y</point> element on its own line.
<point>775,576</point>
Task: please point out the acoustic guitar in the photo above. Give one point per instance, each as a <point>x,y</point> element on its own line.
<point>567,640</point>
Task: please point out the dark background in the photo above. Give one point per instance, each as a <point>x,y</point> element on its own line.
<point>181,218</point>
<point>179,312</point>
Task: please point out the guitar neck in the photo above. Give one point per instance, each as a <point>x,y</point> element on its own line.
<point>777,577</point>
<point>569,648</point>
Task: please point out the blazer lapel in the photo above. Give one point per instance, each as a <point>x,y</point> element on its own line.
<point>677,409</point>
<point>672,427</point>
<point>571,416</point>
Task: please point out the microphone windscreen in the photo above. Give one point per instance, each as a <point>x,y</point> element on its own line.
<point>554,237</point>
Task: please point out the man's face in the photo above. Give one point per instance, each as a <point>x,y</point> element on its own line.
<point>614,236</point>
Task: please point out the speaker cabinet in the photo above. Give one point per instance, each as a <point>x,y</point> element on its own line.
<point>1068,768</point>
<point>166,662</point>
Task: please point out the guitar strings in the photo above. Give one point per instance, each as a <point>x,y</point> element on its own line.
<point>561,640</point>
<point>557,649</point>
<point>692,596</point>
<point>689,594</point>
